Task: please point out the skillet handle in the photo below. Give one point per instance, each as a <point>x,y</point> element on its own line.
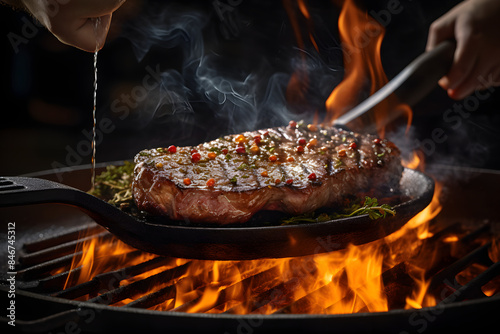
<point>26,190</point>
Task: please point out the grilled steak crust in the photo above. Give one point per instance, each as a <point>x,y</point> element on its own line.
<point>294,169</point>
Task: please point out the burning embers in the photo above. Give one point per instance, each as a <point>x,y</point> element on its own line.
<point>421,265</point>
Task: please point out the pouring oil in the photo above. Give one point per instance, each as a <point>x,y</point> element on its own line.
<point>97,21</point>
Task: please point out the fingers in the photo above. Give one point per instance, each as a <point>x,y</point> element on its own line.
<point>440,30</point>
<point>465,65</point>
<point>85,34</point>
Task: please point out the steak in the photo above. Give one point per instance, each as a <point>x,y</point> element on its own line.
<point>295,169</point>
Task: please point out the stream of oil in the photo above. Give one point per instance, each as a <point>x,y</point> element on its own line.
<point>94,118</point>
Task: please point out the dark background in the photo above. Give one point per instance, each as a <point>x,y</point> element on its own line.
<point>47,87</point>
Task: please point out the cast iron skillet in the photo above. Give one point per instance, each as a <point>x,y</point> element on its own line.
<point>224,243</point>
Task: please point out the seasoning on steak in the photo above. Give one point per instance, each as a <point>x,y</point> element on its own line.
<point>294,169</point>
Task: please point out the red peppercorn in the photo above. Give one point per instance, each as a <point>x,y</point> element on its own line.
<point>302,141</point>
<point>194,150</point>
<point>377,141</point>
<point>277,181</point>
<point>312,176</point>
<point>289,181</point>
<point>240,149</point>
<point>353,145</point>
<point>195,157</point>
<point>210,183</point>
<point>257,140</point>
<point>187,181</point>
<point>292,124</point>
<point>299,149</point>
<point>172,149</point>
<point>273,158</point>
<point>225,151</point>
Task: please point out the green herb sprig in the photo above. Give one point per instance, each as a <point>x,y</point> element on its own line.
<point>114,184</point>
<point>370,206</point>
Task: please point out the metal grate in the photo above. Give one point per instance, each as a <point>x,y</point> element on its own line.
<point>45,268</point>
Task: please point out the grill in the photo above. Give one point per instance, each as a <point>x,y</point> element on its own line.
<point>143,295</point>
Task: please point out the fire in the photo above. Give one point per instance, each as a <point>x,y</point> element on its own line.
<point>95,255</point>
<point>361,38</point>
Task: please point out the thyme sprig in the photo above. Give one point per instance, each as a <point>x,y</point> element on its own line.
<point>369,206</point>
<point>114,184</point>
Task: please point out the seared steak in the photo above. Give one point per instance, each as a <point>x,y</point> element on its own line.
<point>294,169</point>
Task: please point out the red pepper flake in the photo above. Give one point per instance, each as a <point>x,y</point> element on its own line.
<point>187,181</point>
<point>240,149</point>
<point>264,173</point>
<point>302,141</point>
<point>211,155</point>
<point>225,151</point>
<point>266,134</point>
<point>353,145</point>
<point>195,157</point>
<point>312,176</point>
<point>194,150</point>
<point>290,159</point>
<point>172,149</point>
<point>377,141</point>
<point>292,124</point>
<point>277,181</point>
<point>342,153</point>
<point>210,183</point>
<point>289,181</point>
<point>257,140</point>
<point>299,149</point>
<point>273,158</point>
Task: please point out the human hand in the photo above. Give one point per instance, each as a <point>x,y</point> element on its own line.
<point>475,25</point>
<point>73,22</point>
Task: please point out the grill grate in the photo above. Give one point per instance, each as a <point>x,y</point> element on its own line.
<point>45,268</point>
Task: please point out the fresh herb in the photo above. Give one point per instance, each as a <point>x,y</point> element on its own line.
<point>215,150</point>
<point>242,166</point>
<point>114,184</point>
<point>370,206</point>
<point>233,180</point>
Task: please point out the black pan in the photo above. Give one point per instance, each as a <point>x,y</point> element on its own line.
<point>223,243</point>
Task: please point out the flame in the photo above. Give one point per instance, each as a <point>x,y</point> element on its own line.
<point>95,255</point>
<point>361,38</point>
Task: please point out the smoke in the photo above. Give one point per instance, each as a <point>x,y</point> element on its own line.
<point>212,84</point>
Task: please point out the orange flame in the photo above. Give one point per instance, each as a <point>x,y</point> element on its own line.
<point>361,38</point>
